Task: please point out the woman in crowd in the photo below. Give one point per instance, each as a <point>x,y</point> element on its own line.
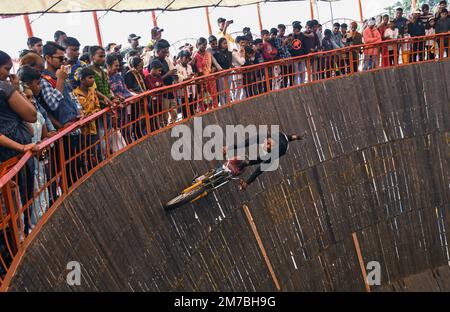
<point>224,57</point>
<point>202,62</point>
<point>134,77</point>
<point>30,85</point>
<point>120,90</point>
<point>16,114</point>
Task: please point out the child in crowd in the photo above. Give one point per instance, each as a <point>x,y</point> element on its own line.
<point>185,72</point>
<point>30,85</point>
<point>154,81</point>
<point>391,33</point>
<point>431,44</point>
<point>88,99</point>
<point>406,46</point>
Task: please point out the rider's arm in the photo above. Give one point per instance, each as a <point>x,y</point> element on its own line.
<point>295,137</point>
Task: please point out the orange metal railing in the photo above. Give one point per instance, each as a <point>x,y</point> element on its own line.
<point>33,187</point>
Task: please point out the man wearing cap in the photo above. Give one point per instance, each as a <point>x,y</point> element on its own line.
<point>371,35</point>
<point>133,40</point>
<point>223,27</point>
<point>156,36</point>
<point>248,33</point>
<point>416,28</point>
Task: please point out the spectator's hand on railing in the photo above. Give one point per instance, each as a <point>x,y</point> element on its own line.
<point>29,147</point>
<point>51,134</point>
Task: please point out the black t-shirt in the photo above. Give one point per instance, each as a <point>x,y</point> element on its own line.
<point>11,125</point>
<point>224,58</point>
<point>416,29</point>
<point>169,79</point>
<point>295,45</point>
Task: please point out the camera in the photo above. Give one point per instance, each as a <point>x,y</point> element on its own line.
<point>231,22</point>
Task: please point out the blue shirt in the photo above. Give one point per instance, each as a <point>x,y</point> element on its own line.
<point>65,107</point>
<point>284,53</point>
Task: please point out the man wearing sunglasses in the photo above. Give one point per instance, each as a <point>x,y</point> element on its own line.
<point>61,104</point>
<point>56,89</point>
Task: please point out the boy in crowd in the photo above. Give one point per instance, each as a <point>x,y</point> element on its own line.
<point>185,73</point>
<point>327,60</point>
<point>406,46</point>
<point>87,96</point>
<point>35,44</point>
<point>391,33</point>
<point>154,81</point>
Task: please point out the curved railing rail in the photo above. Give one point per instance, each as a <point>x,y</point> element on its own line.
<point>33,188</point>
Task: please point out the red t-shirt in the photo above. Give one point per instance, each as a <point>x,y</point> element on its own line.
<point>154,82</point>
<point>269,51</point>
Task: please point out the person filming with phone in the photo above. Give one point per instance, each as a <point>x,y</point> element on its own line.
<point>223,28</point>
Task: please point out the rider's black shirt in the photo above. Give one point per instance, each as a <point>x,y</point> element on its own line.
<point>281,142</point>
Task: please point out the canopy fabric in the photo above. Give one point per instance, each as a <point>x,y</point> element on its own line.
<point>17,7</point>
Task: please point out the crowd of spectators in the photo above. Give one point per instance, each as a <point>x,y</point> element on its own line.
<point>58,83</point>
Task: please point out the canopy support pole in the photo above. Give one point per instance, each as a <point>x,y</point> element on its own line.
<point>97,29</point>
<point>208,20</point>
<point>361,15</point>
<point>258,7</point>
<point>28,25</point>
<point>155,21</point>
<point>331,10</point>
<point>311,6</point>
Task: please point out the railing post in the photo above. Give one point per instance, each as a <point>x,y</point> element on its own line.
<point>147,116</point>
<point>186,102</point>
<point>351,61</point>
<point>396,54</point>
<point>106,130</point>
<point>9,203</point>
<point>62,165</point>
<point>268,86</point>
<point>308,68</point>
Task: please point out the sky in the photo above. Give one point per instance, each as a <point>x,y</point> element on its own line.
<point>116,27</point>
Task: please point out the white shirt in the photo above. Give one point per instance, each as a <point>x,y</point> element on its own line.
<point>238,59</point>
<point>430,32</point>
<point>390,34</point>
<point>183,74</point>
